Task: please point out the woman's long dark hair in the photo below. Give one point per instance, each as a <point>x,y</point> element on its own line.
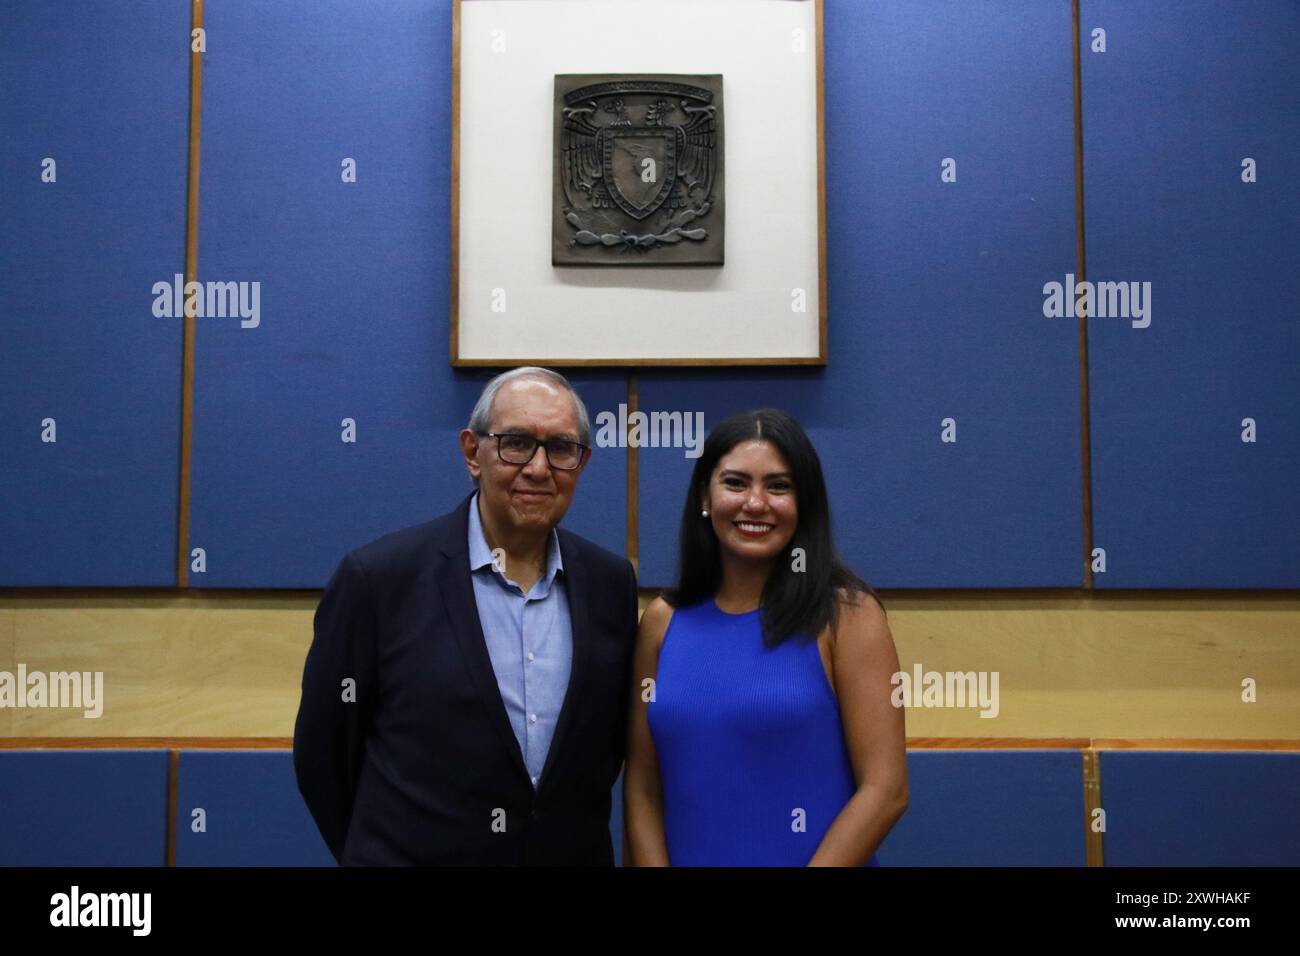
<point>794,602</point>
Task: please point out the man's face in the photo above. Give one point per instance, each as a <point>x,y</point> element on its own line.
<point>529,498</point>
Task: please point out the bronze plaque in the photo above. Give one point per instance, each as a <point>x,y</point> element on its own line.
<point>638,170</point>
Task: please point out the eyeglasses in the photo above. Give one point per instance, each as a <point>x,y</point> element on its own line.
<point>515,449</point>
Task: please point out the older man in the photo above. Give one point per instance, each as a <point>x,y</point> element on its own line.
<point>465,697</point>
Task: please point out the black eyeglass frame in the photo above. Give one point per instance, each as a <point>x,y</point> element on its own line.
<point>582,449</point>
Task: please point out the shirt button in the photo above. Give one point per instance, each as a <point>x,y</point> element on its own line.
<point>533,718</point>
<point>531,657</point>
<point>534,781</point>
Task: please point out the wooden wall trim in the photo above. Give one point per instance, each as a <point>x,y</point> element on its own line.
<point>146,743</point>
<point>997,743</point>
<point>913,743</point>
<point>191,275</point>
<point>1192,743</point>
<point>1085,421</point>
<point>633,482</point>
<point>1093,840</point>
<point>173,791</point>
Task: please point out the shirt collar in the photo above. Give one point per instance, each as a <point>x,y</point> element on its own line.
<point>480,555</point>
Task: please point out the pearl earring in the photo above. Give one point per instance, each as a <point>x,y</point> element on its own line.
<point>704,514</point>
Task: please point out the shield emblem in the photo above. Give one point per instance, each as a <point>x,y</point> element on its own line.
<point>640,165</point>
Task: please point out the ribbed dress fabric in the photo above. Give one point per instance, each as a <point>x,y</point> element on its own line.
<point>751,751</point>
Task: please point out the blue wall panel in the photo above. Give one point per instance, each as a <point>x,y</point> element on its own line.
<point>253,813</point>
<point>354,295</point>
<point>972,808</point>
<point>1201,809</point>
<point>106,96</point>
<point>1184,92</point>
<point>255,816</point>
<point>991,808</point>
<point>935,307</point>
<point>87,808</point>
<point>935,294</point>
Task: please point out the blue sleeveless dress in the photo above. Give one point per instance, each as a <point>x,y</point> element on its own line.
<point>751,753</point>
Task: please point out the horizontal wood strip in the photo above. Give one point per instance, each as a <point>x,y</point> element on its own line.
<point>997,743</point>
<point>1155,743</point>
<point>913,743</point>
<point>146,743</point>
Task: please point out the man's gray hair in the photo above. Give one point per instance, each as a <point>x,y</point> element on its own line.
<point>480,420</point>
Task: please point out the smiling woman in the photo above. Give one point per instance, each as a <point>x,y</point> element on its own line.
<point>770,666</point>
<point>756,528</point>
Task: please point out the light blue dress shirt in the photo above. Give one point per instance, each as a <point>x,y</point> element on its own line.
<point>530,640</point>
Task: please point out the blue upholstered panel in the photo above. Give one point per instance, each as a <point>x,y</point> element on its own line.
<point>935,307</point>
<point>83,808</point>
<point>1186,90</point>
<point>104,95</point>
<point>253,813</point>
<point>991,808</point>
<point>354,294</point>
<point>1186,808</point>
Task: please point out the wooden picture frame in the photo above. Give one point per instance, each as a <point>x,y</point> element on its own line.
<point>644,304</point>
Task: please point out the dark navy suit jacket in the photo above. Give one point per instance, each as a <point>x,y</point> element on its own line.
<point>421,766</point>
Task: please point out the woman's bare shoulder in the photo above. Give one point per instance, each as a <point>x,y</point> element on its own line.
<point>860,613</point>
<point>654,621</point>
<point>855,598</point>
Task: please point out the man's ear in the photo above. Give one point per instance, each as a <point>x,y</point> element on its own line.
<point>469,448</point>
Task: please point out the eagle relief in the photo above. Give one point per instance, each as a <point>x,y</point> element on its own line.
<point>638,170</point>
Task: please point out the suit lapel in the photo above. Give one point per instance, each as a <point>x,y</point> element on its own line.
<point>577,591</point>
<point>457,588</point>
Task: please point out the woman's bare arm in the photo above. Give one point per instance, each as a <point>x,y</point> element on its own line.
<point>643,805</point>
<point>865,660</point>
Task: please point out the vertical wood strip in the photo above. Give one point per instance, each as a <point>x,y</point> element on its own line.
<point>1092,840</point>
<point>454,303</point>
<point>173,787</point>
<point>633,530</point>
<point>1085,420</point>
<point>821,188</point>
<point>191,275</point>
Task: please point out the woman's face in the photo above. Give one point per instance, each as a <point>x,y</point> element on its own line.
<point>751,501</point>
